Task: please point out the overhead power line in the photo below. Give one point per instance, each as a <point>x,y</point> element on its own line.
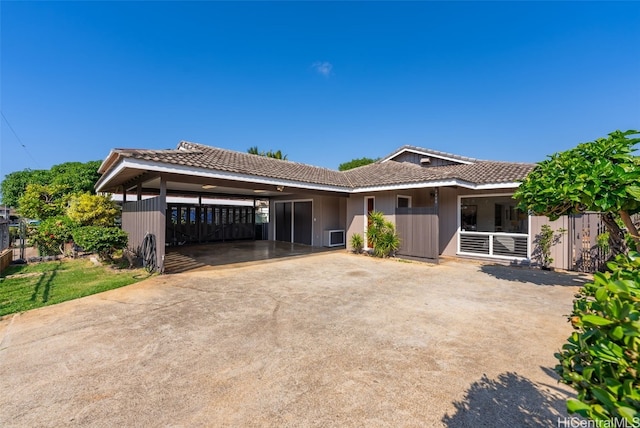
<point>24,147</point>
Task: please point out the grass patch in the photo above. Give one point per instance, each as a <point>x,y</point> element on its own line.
<point>42,284</point>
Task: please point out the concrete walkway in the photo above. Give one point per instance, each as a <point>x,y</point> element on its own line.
<point>329,339</point>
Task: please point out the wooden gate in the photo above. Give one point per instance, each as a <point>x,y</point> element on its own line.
<point>585,254</point>
<point>418,232</point>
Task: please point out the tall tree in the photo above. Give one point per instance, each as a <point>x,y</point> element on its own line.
<point>602,175</point>
<point>14,184</point>
<point>77,177</point>
<point>354,163</point>
<point>270,154</point>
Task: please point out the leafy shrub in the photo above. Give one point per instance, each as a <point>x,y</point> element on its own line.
<point>40,202</point>
<point>357,243</point>
<point>93,210</point>
<point>381,235</point>
<point>101,240</point>
<point>51,234</point>
<point>601,360</point>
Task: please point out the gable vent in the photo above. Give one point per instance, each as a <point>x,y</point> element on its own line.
<point>425,161</point>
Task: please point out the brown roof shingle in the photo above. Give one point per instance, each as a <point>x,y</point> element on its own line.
<point>482,172</point>
<point>207,157</point>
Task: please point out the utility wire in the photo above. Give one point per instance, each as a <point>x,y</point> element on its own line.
<point>19,140</point>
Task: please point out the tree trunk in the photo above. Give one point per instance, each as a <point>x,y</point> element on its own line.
<point>616,235</point>
<point>631,228</point>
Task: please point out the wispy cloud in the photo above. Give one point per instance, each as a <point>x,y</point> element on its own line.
<point>323,68</point>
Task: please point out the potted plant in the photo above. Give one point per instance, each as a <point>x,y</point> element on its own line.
<point>357,243</point>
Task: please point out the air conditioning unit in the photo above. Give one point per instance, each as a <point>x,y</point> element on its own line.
<point>333,238</point>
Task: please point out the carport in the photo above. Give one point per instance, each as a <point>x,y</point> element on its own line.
<point>232,254</point>
<point>225,187</point>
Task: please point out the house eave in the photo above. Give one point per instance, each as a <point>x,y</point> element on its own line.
<point>161,168</point>
<point>433,184</point>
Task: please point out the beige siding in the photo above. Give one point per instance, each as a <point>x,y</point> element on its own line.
<point>385,202</point>
<point>559,252</point>
<point>448,214</point>
<point>355,217</point>
<point>329,213</point>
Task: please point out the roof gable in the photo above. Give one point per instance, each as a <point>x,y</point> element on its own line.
<point>428,153</point>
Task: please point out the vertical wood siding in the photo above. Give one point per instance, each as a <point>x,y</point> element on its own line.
<point>142,217</point>
<point>418,232</point>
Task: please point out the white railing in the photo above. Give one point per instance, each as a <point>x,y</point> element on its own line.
<point>494,244</point>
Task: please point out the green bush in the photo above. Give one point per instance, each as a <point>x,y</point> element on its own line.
<point>601,359</point>
<point>357,243</point>
<point>50,235</point>
<point>101,240</point>
<point>381,235</point>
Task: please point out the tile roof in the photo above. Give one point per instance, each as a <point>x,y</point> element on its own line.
<point>485,172</point>
<point>207,157</point>
<point>481,172</point>
<point>381,173</point>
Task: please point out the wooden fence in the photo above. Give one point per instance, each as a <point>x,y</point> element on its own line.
<point>6,257</point>
<point>4,235</point>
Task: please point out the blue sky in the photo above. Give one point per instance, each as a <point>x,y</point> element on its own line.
<point>323,82</point>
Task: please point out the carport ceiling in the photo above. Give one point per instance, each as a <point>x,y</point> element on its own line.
<point>204,187</point>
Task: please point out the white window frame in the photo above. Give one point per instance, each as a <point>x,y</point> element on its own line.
<point>404,197</point>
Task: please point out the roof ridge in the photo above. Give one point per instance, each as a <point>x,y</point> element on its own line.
<point>269,159</point>
<point>507,162</point>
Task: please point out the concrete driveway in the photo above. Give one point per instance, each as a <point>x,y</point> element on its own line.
<point>329,339</point>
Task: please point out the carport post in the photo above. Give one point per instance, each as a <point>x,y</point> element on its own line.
<point>163,190</point>
<point>160,240</point>
<point>139,191</point>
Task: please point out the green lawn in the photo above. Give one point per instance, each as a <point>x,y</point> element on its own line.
<point>54,282</point>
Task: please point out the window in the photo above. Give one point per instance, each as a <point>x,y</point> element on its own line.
<point>469,217</point>
<point>403,201</point>
<point>492,214</point>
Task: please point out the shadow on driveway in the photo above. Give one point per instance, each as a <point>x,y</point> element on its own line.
<point>536,276</point>
<point>511,400</point>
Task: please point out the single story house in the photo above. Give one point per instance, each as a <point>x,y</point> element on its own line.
<point>442,204</point>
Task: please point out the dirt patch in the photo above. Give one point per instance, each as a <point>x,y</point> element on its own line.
<point>323,340</point>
